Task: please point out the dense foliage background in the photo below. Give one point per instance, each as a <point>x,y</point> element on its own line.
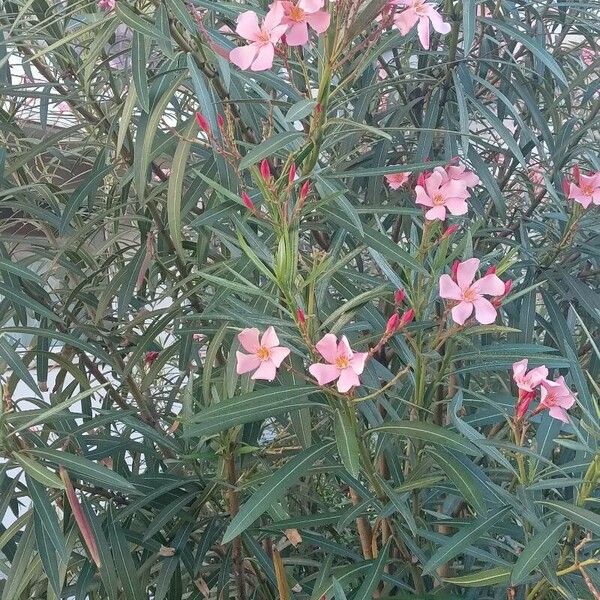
<point>137,241</point>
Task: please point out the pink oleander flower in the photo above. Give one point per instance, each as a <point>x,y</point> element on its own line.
<point>397,180</point>
<point>258,55</point>
<point>420,13</point>
<point>470,293</point>
<point>342,363</point>
<point>107,5</point>
<point>586,190</point>
<point>527,382</point>
<point>299,15</point>
<point>461,173</point>
<point>557,397</point>
<point>265,356</point>
<point>588,56</point>
<point>449,195</point>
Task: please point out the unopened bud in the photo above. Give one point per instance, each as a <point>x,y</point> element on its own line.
<point>576,174</point>
<point>491,270</point>
<point>451,230</point>
<point>407,318</point>
<point>392,324</point>
<point>220,121</point>
<point>421,179</point>
<point>202,122</point>
<point>304,190</point>
<point>454,270</point>
<point>265,170</point>
<point>301,316</point>
<point>151,357</point>
<point>292,174</point>
<point>399,296</point>
<point>566,186</point>
<point>247,201</point>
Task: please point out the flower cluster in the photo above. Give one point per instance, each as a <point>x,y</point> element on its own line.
<point>554,395</point>
<point>285,18</point>
<point>421,14</point>
<point>584,189</point>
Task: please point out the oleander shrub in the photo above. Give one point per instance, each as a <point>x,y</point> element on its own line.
<point>300,300</point>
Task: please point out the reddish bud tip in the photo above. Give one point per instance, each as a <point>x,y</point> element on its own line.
<point>304,190</point>
<point>421,179</point>
<point>491,270</point>
<point>202,122</point>
<point>220,121</point>
<point>265,170</point>
<point>576,174</point>
<point>454,269</point>
<point>566,186</point>
<point>301,316</point>
<point>407,317</point>
<point>247,201</point>
<point>151,357</point>
<point>318,107</point>
<point>392,324</point>
<point>399,296</point>
<point>450,231</point>
<point>507,287</point>
<point>292,174</point>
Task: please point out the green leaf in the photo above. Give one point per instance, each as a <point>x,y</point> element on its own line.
<point>391,251</point>
<point>460,541</point>
<point>270,147</point>
<point>38,472</point>
<point>13,360</point>
<point>268,402</point>
<point>428,432</point>
<point>485,578</point>
<point>138,24</point>
<point>536,550</point>
<point>344,430</point>
<point>299,110</point>
<point>85,469</point>
<point>28,302</point>
<point>139,57</point>
<point>462,478</point>
<point>273,489</point>
<point>373,577</point>
<point>587,519</point>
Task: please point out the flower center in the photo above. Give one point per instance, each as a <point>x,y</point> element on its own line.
<point>263,353</point>
<point>420,8</point>
<point>296,14</point>
<point>438,200</point>
<point>342,362</point>
<point>470,295</point>
<point>264,36</point>
<point>588,190</point>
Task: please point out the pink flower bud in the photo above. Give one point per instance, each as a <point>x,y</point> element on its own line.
<point>566,186</point>
<point>507,287</point>
<point>454,269</point>
<point>301,316</point>
<point>292,174</point>
<point>220,121</point>
<point>407,317</point>
<point>576,174</point>
<point>451,230</point>
<point>399,296</point>
<point>202,122</point>
<point>265,170</point>
<point>304,190</point>
<point>421,179</point>
<point>151,356</point>
<point>247,201</point>
<point>491,270</point>
<point>392,324</point>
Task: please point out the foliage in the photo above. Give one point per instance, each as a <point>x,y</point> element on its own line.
<point>137,241</point>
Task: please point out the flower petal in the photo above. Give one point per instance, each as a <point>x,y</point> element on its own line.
<point>406,20</point>
<point>485,313</point>
<point>264,58</point>
<point>466,272</point>
<point>422,197</point>
<point>343,348</point>
<point>274,16</point>
<point>319,21</point>
<point>311,6</point>
<point>327,347</point>
<point>433,184</point>
<point>323,373</point>
<point>243,56</point>
<point>297,34</point>
<point>267,371</point>
<point>519,368</point>
<point>436,213</point>
<point>357,363</point>
<point>249,339</point>
<point>348,379</point>
<point>437,21</point>
<point>457,206</point>
<point>246,363</point>
<point>449,289</point>
<point>247,26</point>
<point>423,30</point>
<point>559,413</point>
<point>269,338</point>
<point>461,312</point>
<point>491,285</point>
<point>279,354</point>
